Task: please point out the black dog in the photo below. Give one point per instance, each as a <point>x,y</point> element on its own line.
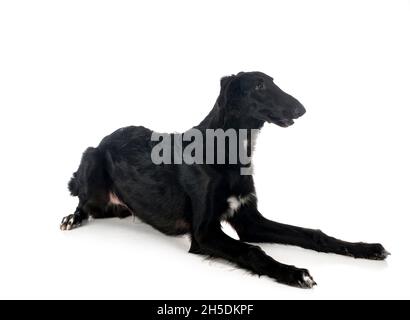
<point>119,179</point>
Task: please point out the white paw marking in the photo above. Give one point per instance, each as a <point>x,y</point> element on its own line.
<point>309,280</point>
<point>68,223</point>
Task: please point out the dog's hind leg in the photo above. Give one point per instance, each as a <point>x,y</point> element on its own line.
<point>251,226</point>
<point>91,184</point>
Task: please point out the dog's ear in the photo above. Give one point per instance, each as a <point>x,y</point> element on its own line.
<point>224,93</point>
<point>225,81</point>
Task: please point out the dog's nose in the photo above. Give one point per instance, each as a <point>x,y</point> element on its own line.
<point>299,111</point>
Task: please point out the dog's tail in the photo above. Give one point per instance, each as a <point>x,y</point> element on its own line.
<point>73,186</point>
<point>90,172</point>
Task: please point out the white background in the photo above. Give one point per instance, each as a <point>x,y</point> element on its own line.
<point>73,71</point>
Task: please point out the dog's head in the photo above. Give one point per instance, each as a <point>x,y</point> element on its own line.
<point>255,95</point>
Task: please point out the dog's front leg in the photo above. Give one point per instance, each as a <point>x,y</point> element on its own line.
<point>251,226</point>
<point>209,239</point>
<point>215,243</point>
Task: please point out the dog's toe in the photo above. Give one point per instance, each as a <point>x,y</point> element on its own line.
<point>299,278</point>
<point>70,222</point>
<point>379,253</point>
<point>307,281</point>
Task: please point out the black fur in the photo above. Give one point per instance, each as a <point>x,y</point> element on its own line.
<point>192,199</point>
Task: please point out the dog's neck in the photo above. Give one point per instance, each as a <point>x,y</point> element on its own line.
<point>221,118</point>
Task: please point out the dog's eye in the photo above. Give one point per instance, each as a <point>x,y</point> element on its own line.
<point>260,86</point>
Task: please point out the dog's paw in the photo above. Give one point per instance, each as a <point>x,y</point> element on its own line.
<point>70,222</point>
<point>377,252</point>
<point>307,281</point>
<point>304,279</point>
<point>371,251</point>
<point>298,278</point>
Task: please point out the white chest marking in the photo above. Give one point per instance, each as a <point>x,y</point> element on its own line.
<point>235,203</point>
